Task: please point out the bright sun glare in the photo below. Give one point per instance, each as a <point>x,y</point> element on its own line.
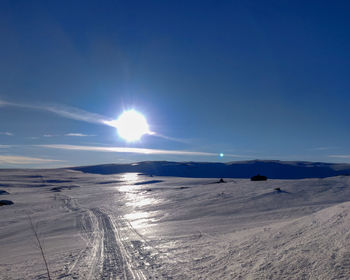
<point>132,125</point>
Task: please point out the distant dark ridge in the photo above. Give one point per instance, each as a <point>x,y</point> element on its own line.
<point>242,169</point>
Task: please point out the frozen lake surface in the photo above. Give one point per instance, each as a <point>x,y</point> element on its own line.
<point>132,226</point>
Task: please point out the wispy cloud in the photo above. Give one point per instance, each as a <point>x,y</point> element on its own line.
<point>4,146</point>
<point>79,114</point>
<point>79,134</point>
<point>6,133</point>
<point>184,141</point>
<point>339,156</point>
<point>323,148</point>
<point>63,111</point>
<point>69,134</point>
<point>3,103</point>
<point>75,114</point>
<point>9,159</point>
<point>127,150</point>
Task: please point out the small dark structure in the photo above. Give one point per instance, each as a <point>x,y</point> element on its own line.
<point>5,202</point>
<point>258,178</point>
<point>221,181</point>
<point>278,189</point>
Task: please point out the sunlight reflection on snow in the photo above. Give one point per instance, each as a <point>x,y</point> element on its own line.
<point>129,180</point>
<point>136,198</point>
<point>130,177</point>
<point>138,219</point>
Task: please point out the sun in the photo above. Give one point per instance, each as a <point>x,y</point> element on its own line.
<point>132,125</point>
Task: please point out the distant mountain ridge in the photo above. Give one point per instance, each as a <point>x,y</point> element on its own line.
<point>273,169</point>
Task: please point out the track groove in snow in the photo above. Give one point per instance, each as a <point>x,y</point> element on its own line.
<point>114,249</point>
<point>114,265</point>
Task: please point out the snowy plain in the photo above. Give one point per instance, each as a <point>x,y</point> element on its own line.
<point>133,226</point>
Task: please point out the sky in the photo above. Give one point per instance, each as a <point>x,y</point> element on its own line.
<point>244,79</point>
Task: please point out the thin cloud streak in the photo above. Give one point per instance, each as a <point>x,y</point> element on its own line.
<point>6,133</point>
<point>24,160</point>
<point>323,148</point>
<point>75,114</point>
<point>78,135</point>
<point>4,146</point>
<point>127,150</point>
<point>78,114</point>
<point>63,111</point>
<point>69,134</point>
<point>339,156</point>
<point>171,138</point>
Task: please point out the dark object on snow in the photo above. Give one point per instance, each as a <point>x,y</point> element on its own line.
<point>148,182</point>
<point>3,192</point>
<point>109,182</point>
<point>58,189</point>
<point>258,178</point>
<point>58,181</point>
<point>279,190</point>
<point>5,202</point>
<point>221,181</point>
<point>183,188</point>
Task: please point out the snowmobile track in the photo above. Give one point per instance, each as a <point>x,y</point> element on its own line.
<point>113,261</point>
<point>110,251</point>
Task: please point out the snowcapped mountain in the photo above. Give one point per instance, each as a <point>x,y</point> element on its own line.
<point>240,169</point>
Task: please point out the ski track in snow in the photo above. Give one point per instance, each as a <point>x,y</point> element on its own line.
<point>114,248</point>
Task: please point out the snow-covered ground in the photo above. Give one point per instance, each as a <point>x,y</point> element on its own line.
<point>131,226</point>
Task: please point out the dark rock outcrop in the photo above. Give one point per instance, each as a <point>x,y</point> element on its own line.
<point>5,202</point>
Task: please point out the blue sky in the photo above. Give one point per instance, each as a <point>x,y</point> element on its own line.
<point>250,79</point>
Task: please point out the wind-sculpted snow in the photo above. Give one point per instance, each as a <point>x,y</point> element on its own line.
<point>126,226</point>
